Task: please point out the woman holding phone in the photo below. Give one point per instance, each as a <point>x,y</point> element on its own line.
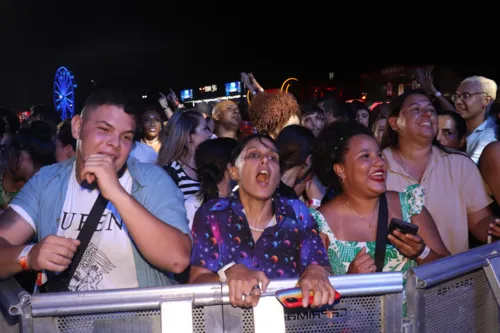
<point>348,158</point>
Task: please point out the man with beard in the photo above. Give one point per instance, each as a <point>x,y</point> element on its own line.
<point>312,117</point>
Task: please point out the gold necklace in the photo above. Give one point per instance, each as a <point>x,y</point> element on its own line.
<point>370,222</point>
<point>406,170</point>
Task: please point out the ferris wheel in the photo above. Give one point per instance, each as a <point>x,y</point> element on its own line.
<point>64,95</point>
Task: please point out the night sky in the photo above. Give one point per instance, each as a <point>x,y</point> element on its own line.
<point>147,48</point>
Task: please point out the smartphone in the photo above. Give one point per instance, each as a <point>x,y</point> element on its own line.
<point>292,298</point>
<point>402,226</point>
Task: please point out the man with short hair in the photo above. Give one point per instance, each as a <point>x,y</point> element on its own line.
<point>143,232</point>
<point>312,117</point>
<point>227,117</point>
<point>473,100</point>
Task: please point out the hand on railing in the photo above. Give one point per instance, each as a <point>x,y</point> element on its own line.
<point>245,285</point>
<point>315,279</point>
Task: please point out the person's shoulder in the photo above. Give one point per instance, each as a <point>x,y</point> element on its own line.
<point>492,148</point>
<point>455,157</point>
<point>296,203</point>
<point>215,205</point>
<point>490,153</point>
<point>48,172</point>
<point>149,173</point>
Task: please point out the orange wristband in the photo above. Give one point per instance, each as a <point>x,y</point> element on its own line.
<point>23,257</point>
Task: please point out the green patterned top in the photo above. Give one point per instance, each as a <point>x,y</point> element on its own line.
<point>342,253</point>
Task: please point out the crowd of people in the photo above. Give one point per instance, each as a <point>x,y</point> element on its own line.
<point>127,197</point>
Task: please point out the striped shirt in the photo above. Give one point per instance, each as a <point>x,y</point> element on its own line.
<point>186,184</point>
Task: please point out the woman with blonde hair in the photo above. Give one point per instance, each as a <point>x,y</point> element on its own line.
<point>182,135</point>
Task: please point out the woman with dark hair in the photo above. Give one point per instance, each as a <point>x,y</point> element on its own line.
<point>360,112</point>
<point>455,194</point>
<point>151,125</point>
<point>451,130</point>
<point>182,135</point>
<point>348,159</point>
<point>255,234</point>
<point>31,149</point>
<point>212,159</point>
<point>295,147</point>
<point>65,142</point>
<point>295,144</point>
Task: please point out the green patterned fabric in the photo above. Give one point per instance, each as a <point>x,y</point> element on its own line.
<point>412,201</point>
<point>342,253</point>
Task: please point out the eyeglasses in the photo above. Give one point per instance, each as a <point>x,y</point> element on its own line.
<point>464,96</point>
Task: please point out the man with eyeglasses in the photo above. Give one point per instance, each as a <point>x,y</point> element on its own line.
<point>473,100</point>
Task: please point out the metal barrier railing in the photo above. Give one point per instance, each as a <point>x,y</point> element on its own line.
<point>370,303</point>
<point>460,293</point>
<point>12,300</point>
<point>456,293</point>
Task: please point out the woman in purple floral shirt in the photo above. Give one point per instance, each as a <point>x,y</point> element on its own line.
<point>255,234</point>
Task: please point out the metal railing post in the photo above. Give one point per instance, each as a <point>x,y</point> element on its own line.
<point>269,316</point>
<point>177,316</point>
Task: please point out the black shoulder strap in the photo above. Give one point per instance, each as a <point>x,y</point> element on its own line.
<point>57,283</point>
<point>381,242</point>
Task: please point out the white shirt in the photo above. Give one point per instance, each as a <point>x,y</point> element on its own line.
<point>108,262</point>
<point>480,138</point>
<point>192,204</point>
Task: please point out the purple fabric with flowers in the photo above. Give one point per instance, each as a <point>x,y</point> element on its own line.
<point>221,235</point>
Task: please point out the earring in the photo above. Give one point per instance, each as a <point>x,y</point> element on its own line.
<point>342,179</point>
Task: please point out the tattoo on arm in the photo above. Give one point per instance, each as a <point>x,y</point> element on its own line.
<point>8,219</point>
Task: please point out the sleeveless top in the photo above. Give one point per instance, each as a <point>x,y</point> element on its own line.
<point>342,253</point>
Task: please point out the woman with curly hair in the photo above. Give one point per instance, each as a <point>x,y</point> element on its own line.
<point>349,159</point>
<point>271,112</point>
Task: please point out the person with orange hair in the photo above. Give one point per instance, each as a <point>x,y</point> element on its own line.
<point>271,112</point>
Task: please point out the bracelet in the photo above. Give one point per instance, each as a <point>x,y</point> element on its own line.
<point>23,257</point>
<point>424,253</point>
<point>437,94</point>
<point>315,202</point>
<point>222,271</point>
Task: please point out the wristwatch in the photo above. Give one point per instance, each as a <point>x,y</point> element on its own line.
<point>222,271</point>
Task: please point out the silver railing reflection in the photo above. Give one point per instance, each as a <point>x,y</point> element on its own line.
<point>460,293</point>
<point>370,303</point>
